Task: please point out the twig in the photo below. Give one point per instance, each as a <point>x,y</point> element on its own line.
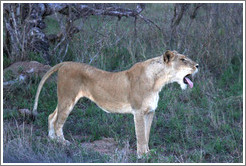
<point>149,21</point>
<point>65,51</point>
<point>59,43</point>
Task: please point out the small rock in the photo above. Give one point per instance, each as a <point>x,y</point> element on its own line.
<point>25,112</point>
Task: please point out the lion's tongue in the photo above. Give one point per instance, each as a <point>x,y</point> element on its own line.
<point>189,82</point>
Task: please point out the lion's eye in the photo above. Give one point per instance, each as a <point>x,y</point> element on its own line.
<point>182,59</point>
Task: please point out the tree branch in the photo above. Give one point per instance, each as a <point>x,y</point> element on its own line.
<point>195,8</point>
<point>26,29</point>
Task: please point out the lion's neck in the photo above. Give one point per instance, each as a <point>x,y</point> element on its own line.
<point>158,72</point>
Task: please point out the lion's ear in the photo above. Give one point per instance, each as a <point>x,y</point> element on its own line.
<point>168,56</point>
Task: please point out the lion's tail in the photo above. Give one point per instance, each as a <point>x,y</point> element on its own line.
<point>45,77</point>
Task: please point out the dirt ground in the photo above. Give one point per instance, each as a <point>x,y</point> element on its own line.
<point>105,145</point>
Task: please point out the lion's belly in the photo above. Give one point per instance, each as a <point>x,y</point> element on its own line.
<point>120,104</point>
<point>111,106</point>
<point>121,108</point>
<point>150,103</point>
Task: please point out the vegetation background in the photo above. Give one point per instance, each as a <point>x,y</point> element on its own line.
<point>202,124</point>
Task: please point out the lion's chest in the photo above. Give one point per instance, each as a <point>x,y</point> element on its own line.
<point>151,102</point>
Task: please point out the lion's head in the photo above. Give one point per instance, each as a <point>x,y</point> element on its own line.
<point>182,69</point>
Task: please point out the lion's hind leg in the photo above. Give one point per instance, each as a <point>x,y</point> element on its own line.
<point>65,106</point>
<point>51,120</point>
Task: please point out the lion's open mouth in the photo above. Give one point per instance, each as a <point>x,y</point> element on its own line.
<point>187,80</point>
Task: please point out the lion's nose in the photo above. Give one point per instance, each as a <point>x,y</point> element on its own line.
<point>197,66</point>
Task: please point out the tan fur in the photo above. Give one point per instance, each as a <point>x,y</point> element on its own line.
<point>134,91</point>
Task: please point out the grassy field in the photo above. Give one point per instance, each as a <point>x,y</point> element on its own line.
<point>202,124</point>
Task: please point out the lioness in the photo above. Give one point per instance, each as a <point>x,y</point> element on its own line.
<point>134,91</point>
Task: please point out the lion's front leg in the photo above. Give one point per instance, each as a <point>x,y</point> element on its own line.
<point>142,144</point>
<point>148,121</point>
